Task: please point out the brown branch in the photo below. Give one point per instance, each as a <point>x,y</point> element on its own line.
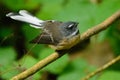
<point>37,66</point>
<point>101,68</point>
<point>100,27</point>
<point>56,55</point>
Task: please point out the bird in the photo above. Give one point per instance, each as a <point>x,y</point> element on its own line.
<point>57,34</point>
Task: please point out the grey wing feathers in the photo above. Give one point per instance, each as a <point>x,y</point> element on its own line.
<point>25,16</point>
<point>43,38</point>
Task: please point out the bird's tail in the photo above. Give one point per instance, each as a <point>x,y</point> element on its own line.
<point>25,16</point>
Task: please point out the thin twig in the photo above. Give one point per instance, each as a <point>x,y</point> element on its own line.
<point>101,68</point>
<point>56,55</point>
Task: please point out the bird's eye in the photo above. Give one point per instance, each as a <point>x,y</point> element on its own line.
<point>70,26</point>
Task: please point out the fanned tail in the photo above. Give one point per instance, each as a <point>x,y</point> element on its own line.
<point>25,16</point>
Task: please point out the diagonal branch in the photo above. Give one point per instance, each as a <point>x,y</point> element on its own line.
<point>101,68</point>
<point>90,32</point>
<point>100,27</point>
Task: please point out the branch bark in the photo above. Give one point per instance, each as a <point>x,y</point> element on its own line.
<point>100,27</point>
<point>90,32</point>
<point>101,68</point>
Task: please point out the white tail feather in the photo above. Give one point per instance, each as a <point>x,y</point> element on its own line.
<point>25,16</point>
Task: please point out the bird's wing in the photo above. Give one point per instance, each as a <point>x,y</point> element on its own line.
<point>44,38</point>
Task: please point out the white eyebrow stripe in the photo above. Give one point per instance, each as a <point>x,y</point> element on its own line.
<point>70,25</point>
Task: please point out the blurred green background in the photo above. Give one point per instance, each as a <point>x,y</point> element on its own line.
<point>17,54</point>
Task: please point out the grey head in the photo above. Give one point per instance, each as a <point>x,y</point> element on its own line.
<point>69,29</point>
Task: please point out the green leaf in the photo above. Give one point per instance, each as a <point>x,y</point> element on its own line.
<point>7,55</point>
<point>111,75</point>
<point>21,4</point>
<point>5,32</point>
<point>8,72</point>
<point>76,70</point>
<point>70,76</point>
<point>30,32</point>
<point>50,9</point>
<point>46,51</point>
<point>28,61</point>
<point>113,36</point>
